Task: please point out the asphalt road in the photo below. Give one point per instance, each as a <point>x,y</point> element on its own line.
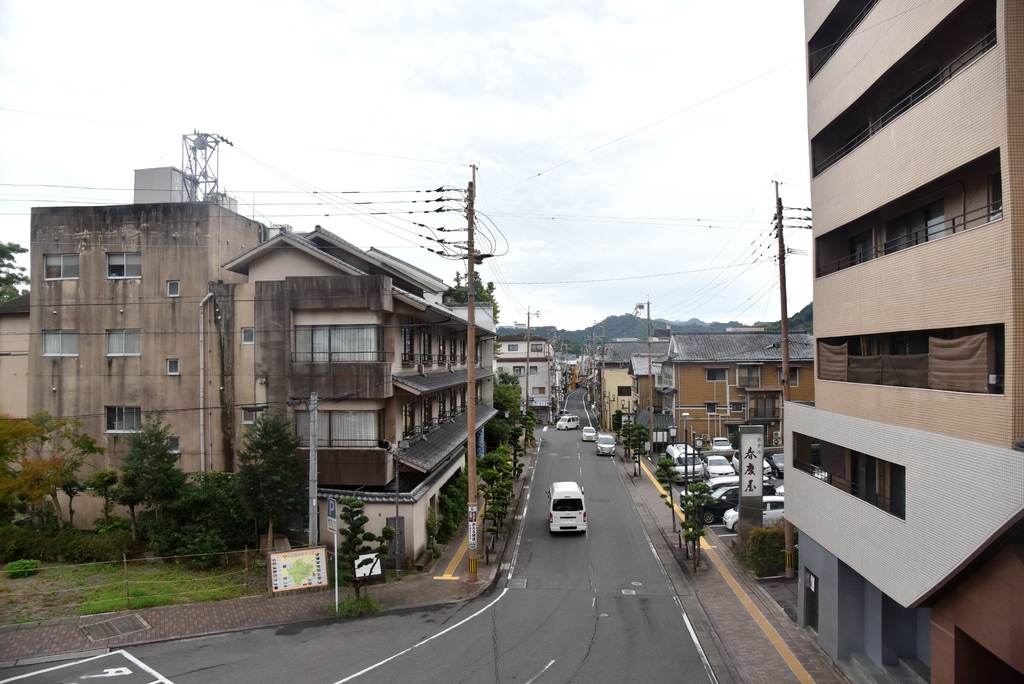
<point>593,607</point>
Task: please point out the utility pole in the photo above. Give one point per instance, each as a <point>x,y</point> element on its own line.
<point>471,379</point>
<point>787,526</point>
<point>605,422</point>
<point>314,508</point>
<point>650,379</point>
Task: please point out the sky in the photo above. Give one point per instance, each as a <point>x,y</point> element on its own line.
<point>625,152</point>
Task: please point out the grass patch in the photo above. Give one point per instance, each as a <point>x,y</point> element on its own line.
<point>358,607</point>
<point>57,591</point>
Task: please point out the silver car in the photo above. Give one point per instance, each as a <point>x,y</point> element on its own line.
<point>605,445</point>
<point>774,509</point>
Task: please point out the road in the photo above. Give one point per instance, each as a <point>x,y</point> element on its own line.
<point>593,607</point>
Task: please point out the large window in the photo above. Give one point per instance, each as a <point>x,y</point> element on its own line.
<point>337,343</point>
<point>341,428</point>
<point>60,266</point>
<point>715,374</point>
<point>748,376</point>
<point>124,418</point>
<point>124,265</point>
<point>536,346</point>
<point>915,227</point>
<point>60,343</point>
<point>124,342</point>
<point>513,347</point>
<point>881,483</point>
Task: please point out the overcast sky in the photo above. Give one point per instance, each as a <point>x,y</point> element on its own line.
<point>626,151</point>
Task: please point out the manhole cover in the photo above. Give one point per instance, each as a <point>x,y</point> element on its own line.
<point>118,626</point>
<point>517,584</point>
<point>629,592</point>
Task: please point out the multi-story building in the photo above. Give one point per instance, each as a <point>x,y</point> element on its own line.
<point>189,309</point>
<point>724,380</point>
<point>910,550</point>
<point>532,362</point>
<point>622,387</point>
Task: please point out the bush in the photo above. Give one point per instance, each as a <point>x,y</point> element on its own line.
<point>358,607</point>
<point>70,546</point>
<point>22,568</point>
<point>765,552</point>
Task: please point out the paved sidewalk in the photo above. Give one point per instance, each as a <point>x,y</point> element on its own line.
<point>742,622</point>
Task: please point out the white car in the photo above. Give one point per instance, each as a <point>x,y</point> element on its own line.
<point>722,445</point>
<point>589,434</point>
<point>717,466</point>
<point>774,510</point>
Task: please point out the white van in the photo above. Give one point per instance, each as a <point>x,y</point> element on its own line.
<point>569,422</point>
<point>567,509</point>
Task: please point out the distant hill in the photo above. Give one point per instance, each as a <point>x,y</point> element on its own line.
<point>626,326</point>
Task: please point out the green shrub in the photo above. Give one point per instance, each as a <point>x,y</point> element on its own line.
<point>358,607</point>
<point>22,568</point>
<point>765,551</point>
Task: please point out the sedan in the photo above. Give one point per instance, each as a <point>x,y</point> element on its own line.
<point>778,462</point>
<point>589,434</point>
<point>721,445</point>
<point>717,466</point>
<point>774,508</point>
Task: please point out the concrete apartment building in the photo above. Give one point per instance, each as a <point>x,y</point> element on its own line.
<point>903,479</point>
<point>190,309</point>
<point>532,362</point>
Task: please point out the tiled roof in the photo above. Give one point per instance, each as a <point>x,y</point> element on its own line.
<point>621,352</point>
<point>433,380</point>
<point>442,442</point>
<point>739,347</point>
<point>19,304</point>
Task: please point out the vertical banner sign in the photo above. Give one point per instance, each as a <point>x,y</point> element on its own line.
<point>472,527</point>
<point>751,464</point>
<point>481,447</point>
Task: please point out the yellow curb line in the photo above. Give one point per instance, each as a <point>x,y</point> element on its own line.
<point>463,547</point>
<point>755,613</point>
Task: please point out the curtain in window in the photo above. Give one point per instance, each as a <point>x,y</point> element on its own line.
<point>958,365</point>
<point>905,370</point>
<point>866,369</point>
<point>51,344</point>
<point>303,344</point>
<point>321,344</point>
<point>354,343</point>
<point>354,428</point>
<point>123,342</point>
<point>832,363</point>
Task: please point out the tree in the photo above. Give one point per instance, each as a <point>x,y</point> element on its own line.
<point>697,496</point>
<point>270,475</point>
<point>665,476</point>
<point>60,449</point>
<point>11,276</point>
<point>498,475</point>
<point>356,543</point>
<point>507,400</point>
<point>460,293</point>
<point>635,436</point>
<point>101,483</point>
<point>149,473</point>
<point>15,434</point>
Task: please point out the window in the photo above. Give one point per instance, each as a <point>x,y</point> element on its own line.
<point>60,343</point>
<point>124,265</point>
<point>881,483</point>
<point>794,376</point>
<point>533,370</point>
<point>408,355</point>
<point>248,335</point>
<point>124,418</point>
<point>172,366</point>
<point>736,407</point>
<point>995,197</point>
<point>623,390</point>
<point>338,343</point>
<point>517,370</point>
<point>60,266</point>
<point>440,346</point>
<point>915,227</point>
<point>749,376</point>
<point>341,428</point>
<point>173,288</point>
<point>513,347</point>
<point>715,374</point>
<point>249,416</point>
<point>710,407</point>
<point>124,342</point>
<point>537,347</point>
<point>174,444</point>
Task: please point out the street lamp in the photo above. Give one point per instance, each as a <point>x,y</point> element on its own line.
<point>686,454</point>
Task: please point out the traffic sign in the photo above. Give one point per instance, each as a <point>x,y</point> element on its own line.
<point>332,514</point>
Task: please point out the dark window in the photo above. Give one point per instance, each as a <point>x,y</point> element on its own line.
<point>124,265</point>
<point>60,343</point>
<point>60,266</point>
<point>915,227</point>
<point>715,374</point>
<point>124,418</point>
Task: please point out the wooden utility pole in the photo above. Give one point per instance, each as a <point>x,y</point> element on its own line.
<point>471,379</point>
<point>787,526</point>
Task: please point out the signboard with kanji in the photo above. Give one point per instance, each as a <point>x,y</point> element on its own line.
<point>300,569</point>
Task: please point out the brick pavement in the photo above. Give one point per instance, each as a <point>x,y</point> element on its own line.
<point>741,628</point>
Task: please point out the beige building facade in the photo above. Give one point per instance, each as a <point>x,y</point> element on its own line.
<point>915,137</point>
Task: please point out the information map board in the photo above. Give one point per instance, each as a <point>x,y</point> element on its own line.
<point>300,569</point>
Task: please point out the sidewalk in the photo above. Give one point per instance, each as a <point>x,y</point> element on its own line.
<point>742,623</point>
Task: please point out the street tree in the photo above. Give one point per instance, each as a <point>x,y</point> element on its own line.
<point>358,548</point>
<point>58,450</point>
<point>101,483</point>
<point>697,496</point>
<point>150,476</point>
<point>15,433</point>
<point>12,276</point>
<point>665,476</point>
<point>270,478</point>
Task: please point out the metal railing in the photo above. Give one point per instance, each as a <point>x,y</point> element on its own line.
<point>915,96</point>
<point>822,56</point>
<point>955,224</point>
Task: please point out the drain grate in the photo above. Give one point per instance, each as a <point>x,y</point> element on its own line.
<point>108,629</point>
<point>517,584</point>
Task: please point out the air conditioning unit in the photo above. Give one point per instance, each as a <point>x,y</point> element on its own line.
<point>776,438</point>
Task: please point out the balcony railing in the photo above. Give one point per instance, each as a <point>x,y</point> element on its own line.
<point>956,224</point>
<point>917,95</point>
<point>349,356</point>
<point>822,56</point>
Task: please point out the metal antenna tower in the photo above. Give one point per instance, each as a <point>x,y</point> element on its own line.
<point>200,163</point>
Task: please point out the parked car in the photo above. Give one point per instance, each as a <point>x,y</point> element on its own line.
<point>778,462</point>
<point>589,434</point>
<point>721,445</point>
<point>688,468</point>
<point>716,466</point>
<point>606,445</point>
<point>774,508</point>
<point>734,481</point>
<point>724,498</point>
<point>766,466</point>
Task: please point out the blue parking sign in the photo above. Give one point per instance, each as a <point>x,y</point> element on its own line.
<point>332,514</point>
